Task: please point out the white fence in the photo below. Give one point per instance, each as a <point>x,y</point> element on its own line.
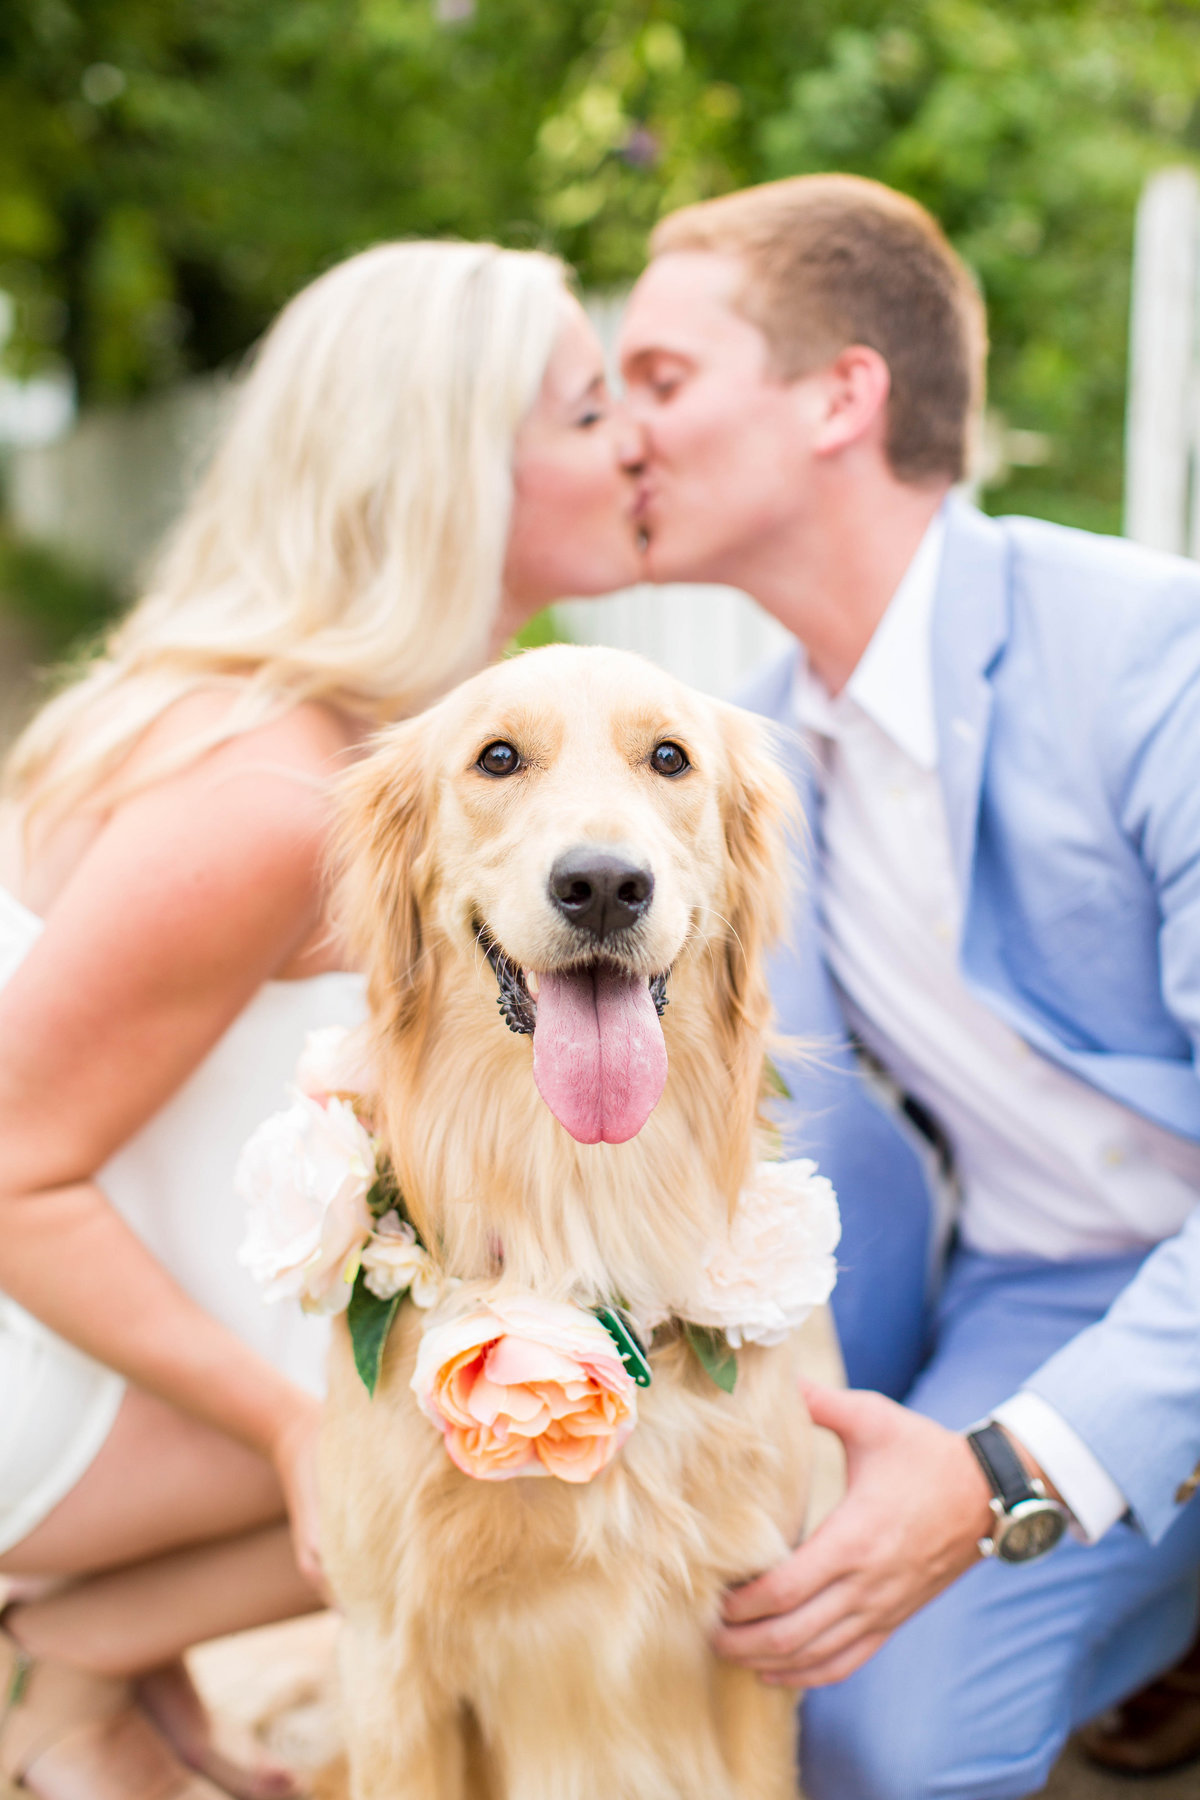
<point>710,636</point>
<point>104,494</point>
<point>1162,440</point>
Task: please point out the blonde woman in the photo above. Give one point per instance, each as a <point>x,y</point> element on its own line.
<point>423,455</point>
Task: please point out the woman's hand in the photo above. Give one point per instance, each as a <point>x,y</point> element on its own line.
<point>916,1505</point>
<point>294,1454</point>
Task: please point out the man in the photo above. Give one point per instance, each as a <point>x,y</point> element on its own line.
<point>998,958</point>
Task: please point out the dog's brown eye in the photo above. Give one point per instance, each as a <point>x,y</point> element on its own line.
<point>499,759</point>
<point>668,759</point>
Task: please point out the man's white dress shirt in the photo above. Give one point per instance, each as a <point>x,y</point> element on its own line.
<point>1045,1166</point>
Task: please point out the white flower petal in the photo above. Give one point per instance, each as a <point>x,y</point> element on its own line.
<point>777,1262</point>
<point>304,1176</point>
<point>333,1062</point>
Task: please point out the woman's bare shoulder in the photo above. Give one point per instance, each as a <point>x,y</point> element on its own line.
<point>245,822</point>
<point>259,807</point>
<point>311,738</point>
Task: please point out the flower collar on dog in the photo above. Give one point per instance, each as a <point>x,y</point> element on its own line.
<point>517,1385</point>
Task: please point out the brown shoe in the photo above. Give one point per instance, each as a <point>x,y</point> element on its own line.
<point>1156,1729</point>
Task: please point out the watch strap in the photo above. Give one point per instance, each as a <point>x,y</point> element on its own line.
<point>1000,1463</point>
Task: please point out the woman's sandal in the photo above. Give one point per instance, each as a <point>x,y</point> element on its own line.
<point>68,1734</point>
<point>169,1696</point>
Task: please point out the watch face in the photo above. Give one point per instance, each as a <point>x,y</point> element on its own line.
<point>1033,1527</point>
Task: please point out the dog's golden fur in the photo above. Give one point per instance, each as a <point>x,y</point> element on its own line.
<point>534,1640</point>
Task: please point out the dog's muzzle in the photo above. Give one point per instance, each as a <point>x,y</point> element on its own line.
<point>599,1060</point>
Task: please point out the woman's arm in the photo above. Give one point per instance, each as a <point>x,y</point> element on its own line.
<point>193,893</point>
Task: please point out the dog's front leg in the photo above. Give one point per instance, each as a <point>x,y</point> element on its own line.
<point>757,1728</point>
<point>404,1738</point>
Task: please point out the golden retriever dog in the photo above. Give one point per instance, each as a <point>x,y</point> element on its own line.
<point>598,849</point>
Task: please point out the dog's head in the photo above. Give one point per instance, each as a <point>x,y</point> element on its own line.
<point>600,833</point>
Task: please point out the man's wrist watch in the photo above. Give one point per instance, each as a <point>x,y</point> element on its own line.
<point>1027,1521</point>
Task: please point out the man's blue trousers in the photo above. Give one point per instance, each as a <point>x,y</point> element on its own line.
<point>973,1698</point>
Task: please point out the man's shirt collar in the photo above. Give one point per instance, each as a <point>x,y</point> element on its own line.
<point>892,681</point>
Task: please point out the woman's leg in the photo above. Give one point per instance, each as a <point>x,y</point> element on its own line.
<point>159,1481</point>
<point>128,1621</point>
<point>174,1534</point>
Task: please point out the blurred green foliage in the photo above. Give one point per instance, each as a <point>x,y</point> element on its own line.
<point>170,170</point>
<point>63,605</point>
<point>544,628</point>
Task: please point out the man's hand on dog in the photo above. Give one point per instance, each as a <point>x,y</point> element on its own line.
<point>915,1507</point>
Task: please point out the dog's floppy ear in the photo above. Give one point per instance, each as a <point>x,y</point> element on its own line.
<point>382,868</point>
<point>760,806</point>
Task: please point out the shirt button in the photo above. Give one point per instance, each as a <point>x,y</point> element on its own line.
<point>1113,1155</point>
<point>943,932</point>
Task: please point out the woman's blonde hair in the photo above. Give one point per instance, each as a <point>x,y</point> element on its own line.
<point>348,539</point>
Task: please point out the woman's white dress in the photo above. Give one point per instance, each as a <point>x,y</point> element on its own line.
<point>173,1183</point>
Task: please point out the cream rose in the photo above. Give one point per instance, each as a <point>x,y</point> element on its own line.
<point>333,1063</point>
<point>394,1263</point>
<point>523,1386</point>
<point>777,1262</point>
<point>304,1177</point>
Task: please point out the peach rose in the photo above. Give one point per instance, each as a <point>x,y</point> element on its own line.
<point>523,1386</point>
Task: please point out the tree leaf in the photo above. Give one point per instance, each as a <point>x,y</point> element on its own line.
<point>713,1351</point>
<point>369,1319</point>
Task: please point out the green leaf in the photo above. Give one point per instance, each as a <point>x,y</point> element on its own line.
<point>626,1339</point>
<point>369,1319</point>
<point>775,1084</point>
<point>384,1193</point>
<point>717,1359</point>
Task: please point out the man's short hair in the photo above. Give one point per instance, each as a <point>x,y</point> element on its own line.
<point>834,260</point>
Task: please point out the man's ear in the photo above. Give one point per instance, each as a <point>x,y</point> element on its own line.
<point>760,804</point>
<point>856,386</point>
<point>383,870</point>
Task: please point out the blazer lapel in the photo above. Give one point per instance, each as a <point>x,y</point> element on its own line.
<point>804,998</point>
<point>970,628</point>
<point>879,1301</point>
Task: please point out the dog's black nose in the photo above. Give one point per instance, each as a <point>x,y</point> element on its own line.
<point>598,892</point>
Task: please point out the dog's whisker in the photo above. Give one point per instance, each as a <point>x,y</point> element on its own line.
<point>733,931</point>
<point>703,937</point>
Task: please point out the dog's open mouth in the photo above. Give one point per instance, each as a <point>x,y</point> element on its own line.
<point>599,1059</point>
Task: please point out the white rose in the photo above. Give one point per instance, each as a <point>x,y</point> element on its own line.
<point>777,1262</point>
<point>394,1263</point>
<point>333,1061</point>
<point>304,1176</point>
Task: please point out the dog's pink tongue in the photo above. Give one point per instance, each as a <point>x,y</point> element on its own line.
<point>599,1059</point>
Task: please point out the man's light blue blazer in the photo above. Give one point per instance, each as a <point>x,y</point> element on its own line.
<point>1067,692</point>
